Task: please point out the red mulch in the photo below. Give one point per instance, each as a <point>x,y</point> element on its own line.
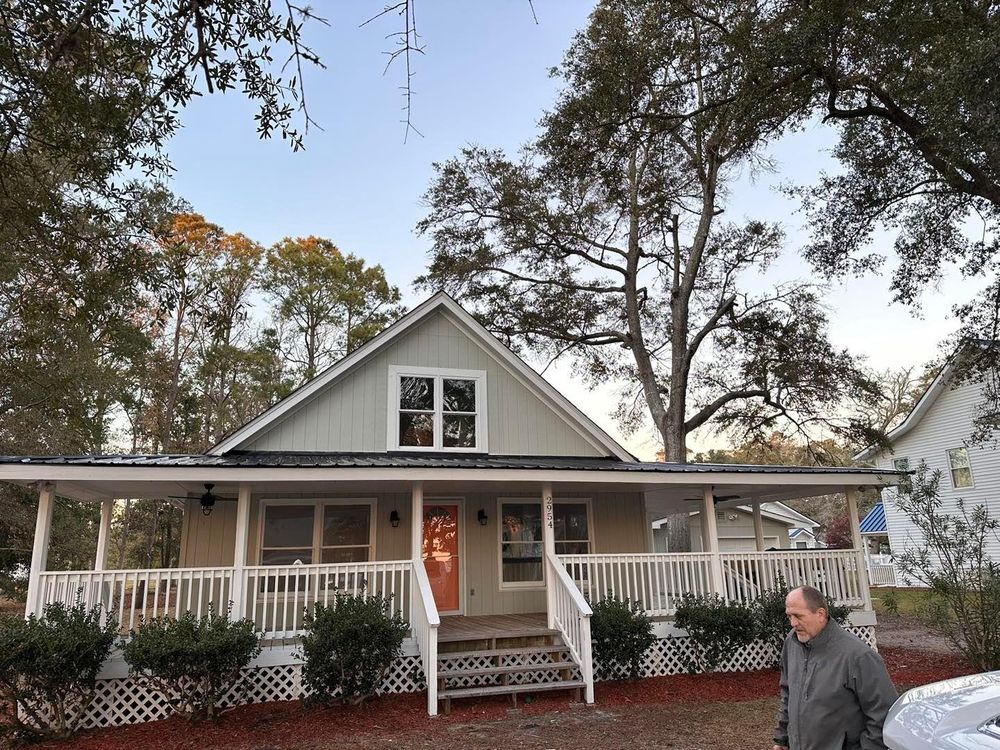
<point>290,725</point>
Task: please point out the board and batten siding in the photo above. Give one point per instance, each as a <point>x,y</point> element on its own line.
<point>947,424</point>
<point>618,527</point>
<point>350,415</point>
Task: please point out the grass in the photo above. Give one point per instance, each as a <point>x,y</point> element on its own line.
<point>910,600</point>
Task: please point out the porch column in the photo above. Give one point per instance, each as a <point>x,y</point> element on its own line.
<point>40,546</point>
<point>104,534</point>
<point>857,543</point>
<point>758,526</point>
<point>548,551</point>
<point>710,539</point>
<point>417,522</point>
<point>238,586</point>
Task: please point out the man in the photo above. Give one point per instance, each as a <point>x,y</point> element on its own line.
<point>835,691</point>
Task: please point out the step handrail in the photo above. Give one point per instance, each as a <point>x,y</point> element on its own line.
<point>425,621</point>
<point>571,615</point>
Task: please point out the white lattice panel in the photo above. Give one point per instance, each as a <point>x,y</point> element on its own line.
<point>506,660</point>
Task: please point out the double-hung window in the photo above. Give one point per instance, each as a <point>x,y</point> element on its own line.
<point>522,544</point>
<point>320,532</point>
<point>961,469</point>
<point>437,409</point>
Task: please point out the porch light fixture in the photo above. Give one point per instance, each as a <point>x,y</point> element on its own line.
<point>483,518</point>
<point>394,519</point>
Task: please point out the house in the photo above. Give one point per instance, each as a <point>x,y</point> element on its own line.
<point>878,554</point>
<point>737,532</point>
<point>937,433</point>
<point>804,538</point>
<point>435,466</point>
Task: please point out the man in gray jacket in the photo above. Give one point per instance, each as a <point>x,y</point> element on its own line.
<point>835,690</point>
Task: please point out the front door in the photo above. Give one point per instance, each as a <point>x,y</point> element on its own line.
<point>441,546</point>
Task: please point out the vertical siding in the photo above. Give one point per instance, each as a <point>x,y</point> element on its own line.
<point>351,415</point>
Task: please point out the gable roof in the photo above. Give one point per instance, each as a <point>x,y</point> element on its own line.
<point>438,302</point>
<point>799,531</point>
<point>874,521</point>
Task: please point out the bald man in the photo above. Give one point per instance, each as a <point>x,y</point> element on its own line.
<point>835,690</point>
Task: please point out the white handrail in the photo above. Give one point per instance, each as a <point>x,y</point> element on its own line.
<point>424,621</point>
<point>572,617</point>
<point>837,573</point>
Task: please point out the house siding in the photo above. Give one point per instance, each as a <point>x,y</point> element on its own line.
<point>737,535</point>
<point>947,424</point>
<point>350,415</point>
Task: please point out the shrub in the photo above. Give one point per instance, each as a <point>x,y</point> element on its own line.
<point>771,622</point>
<point>621,633</point>
<point>890,602</point>
<point>717,628</point>
<point>192,661</point>
<point>49,666</point>
<point>349,647</point>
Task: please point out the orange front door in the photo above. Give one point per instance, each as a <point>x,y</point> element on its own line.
<point>441,554</point>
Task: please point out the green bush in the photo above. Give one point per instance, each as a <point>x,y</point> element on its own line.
<point>890,602</point>
<point>192,661</point>
<point>49,666</point>
<point>621,633</point>
<point>349,647</point>
<point>771,622</point>
<point>718,630</point>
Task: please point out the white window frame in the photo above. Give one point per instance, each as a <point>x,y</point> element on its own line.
<point>439,374</point>
<point>901,459</point>
<point>536,585</point>
<point>318,508</point>
<point>951,469</point>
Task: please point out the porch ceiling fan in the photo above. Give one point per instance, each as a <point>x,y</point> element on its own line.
<point>207,500</point>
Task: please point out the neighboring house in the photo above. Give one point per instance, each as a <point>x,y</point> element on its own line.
<point>877,549</point>
<point>435,466</point>
<point>736,529</point>
<point>802,538</point>
<point>936,432</point>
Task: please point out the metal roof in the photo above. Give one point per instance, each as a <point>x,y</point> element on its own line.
<point>874,522</point>
<point>284,459</point>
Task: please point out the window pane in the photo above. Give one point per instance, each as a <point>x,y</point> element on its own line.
<point>459,431</point>
<point>961,477</point>
<point>959,458</point>
<point>416,429</point>
<point>416,393</point>
<point>345,555</point>
<point>459,395</point>
<point>901,464</point>
<point>288,526</point>
<point>571,522</point>
<point>522,522</point>
<point>572,548</point>
<point>521,563</point>
<point>345,524</point>
<point>286,556</point>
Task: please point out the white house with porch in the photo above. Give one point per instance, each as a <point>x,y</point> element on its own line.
<point>435,466</point>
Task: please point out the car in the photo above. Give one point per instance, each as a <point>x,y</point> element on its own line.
<point>958,714</point>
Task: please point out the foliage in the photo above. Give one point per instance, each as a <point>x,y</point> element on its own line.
<point>890,602</point>
<point>838,532</point>
<point>192,661</point>
<point>621,633</point>
<point>603,241</point>
<point>718,630</point>
<point>349,646</point>
<point>49,665</point>
<point>771,622</point>
<point>951,556</point>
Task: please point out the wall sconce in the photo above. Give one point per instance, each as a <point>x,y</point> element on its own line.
<point>394,519</point>
<point>483,518</point>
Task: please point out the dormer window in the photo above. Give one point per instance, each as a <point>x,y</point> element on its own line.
<point>437,409</point>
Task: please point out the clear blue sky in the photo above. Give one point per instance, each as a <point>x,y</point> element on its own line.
<point>484,79</point>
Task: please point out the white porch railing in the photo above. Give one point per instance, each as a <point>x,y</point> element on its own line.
<point>657,580</point>
<point>278,596</point>
<point>131,595</point>
<point>424,621</point>
<point>882,574</point>
<point>837,573</point>
<point>571,615</point>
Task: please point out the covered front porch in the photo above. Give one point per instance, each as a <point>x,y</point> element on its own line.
<point>454,548</point>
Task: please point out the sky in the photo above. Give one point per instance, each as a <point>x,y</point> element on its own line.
<point>483,79</point>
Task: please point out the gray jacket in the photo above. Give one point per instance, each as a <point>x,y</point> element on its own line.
<point>835,693</point>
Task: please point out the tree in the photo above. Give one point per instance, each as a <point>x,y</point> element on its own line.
<point>327,304</point>
<point>603,242</point>
<point>838,532</point>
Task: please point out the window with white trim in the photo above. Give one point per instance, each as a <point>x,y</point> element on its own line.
<point>901,464</point>
<point>435,409</point>
<point>961,469</point>
<point>328,532</point>
<point>521,542</point>
<point>571,523</point>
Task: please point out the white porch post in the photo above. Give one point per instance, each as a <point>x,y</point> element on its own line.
<point>417,522</point>
<point>548,550</point>
<point>758,526</point>
<point>857,543</point>
<point>710,539</point>
<point>40,547</point>
<point>238,588</point>
<point>104,534</point>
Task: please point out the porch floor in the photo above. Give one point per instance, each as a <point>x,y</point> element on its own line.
<point>487,627</point>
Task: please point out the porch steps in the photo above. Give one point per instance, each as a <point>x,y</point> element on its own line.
<point>506,669</point>
<point>512,690</point>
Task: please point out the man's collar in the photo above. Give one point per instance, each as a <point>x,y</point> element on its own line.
<point>824,636</point>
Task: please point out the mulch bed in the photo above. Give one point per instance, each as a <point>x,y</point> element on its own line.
<point>403,719</point>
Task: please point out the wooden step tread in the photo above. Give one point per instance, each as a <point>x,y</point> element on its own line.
<point>498,635</point>
<point>504,652</point>
<point>506,669</point>
<point>534,687</point>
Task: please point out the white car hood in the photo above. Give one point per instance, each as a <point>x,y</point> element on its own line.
<point>946,715</point>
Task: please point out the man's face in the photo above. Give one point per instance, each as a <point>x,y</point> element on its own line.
<point>806,623</point>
